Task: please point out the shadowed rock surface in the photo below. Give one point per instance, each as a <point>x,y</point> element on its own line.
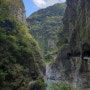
<point>75,61</point>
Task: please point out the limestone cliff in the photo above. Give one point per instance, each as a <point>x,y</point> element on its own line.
<point>20,57</point>
<point>73,62</point>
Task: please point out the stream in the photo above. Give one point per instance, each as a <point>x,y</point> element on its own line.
<point>47,78</point>
<point>49,81</point>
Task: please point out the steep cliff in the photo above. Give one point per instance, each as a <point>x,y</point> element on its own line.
<point>44,25</point>
<point>20,57</point>
<point>73,62</point>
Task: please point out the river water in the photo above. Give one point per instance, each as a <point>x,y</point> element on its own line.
<point>47,78</point>
<point>49,81</point>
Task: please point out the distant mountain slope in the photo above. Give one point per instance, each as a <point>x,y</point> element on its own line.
<point>44,25</point>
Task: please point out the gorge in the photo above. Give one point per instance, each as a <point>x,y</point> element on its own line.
<point>73,57</point>
<point>22,61</point>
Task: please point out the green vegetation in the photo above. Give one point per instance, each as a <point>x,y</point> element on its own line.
<point>82,32</point>
<point>18,52</point>
<point>44,26</point>
<point>48,58</point>
<point>41,83</point>
<point>62,86</point>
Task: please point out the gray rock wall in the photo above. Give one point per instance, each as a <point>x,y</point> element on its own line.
<point>74,61</point>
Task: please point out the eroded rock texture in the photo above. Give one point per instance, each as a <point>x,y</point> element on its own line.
<point>74,57</point>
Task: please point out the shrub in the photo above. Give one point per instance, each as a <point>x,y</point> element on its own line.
<point>62,86</point>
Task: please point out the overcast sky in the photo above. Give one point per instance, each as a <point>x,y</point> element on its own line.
<point>33,5</point>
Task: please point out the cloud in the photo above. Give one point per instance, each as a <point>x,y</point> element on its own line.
<point>39,3</point>
<point>46,3</point>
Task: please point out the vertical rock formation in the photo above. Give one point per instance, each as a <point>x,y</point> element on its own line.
<point>74,57</point>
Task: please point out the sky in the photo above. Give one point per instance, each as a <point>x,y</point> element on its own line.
<point>32,6</point>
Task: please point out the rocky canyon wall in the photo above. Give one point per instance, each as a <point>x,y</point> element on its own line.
<point>73,61</point>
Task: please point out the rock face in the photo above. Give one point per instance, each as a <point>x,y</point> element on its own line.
<point>75,60</point>
<point>18,10</point>
<point>20,57</point>
<point>44,25</point>
<point>60,69</point>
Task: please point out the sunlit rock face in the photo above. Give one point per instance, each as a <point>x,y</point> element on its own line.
<point>18,10</point>
<point>75,61</point>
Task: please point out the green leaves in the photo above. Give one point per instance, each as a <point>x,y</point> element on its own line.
<point>41,83</point>
<point>62,86</point>
<point>18,50</point>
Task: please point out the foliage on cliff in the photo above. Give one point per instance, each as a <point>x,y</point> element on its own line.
<point>44,25</point>
<point>18,52</point>
<point>62,86</point>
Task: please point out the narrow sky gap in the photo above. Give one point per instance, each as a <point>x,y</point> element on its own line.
<point>33,5</point>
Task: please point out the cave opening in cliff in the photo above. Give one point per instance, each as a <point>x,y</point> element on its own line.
<point>86,54</point>
<point>75,54</point>
<point>86,50</point>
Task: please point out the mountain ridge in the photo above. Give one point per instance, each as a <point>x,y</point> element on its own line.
<point>44,25</point>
